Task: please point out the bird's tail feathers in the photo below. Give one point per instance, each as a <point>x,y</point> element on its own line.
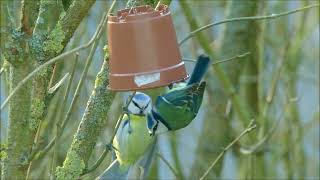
<point>115,171</point>
<point>200,69</point>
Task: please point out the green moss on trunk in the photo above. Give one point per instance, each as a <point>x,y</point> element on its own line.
<point>90,127</point>
<point>20,48</point>
<point>19,144</point>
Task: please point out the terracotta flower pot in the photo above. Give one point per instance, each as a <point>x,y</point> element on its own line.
<point>143,49</point>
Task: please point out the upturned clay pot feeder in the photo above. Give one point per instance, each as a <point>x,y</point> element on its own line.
<point>143,49</point>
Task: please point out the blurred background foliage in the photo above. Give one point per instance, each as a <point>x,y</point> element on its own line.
<point>284,57</point>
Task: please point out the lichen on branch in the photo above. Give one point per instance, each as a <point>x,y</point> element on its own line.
<point>93,120</point>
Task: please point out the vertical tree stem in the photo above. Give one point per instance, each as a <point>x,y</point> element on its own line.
<point>19,134</point>
<point>59,125</point>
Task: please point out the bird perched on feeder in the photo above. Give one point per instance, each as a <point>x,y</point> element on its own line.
<point>132,139</point>
<point>177,108</point>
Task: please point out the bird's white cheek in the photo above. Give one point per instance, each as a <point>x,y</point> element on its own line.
<point>133,109</point>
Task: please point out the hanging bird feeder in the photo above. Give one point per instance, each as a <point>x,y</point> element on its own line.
<point>143,49</point>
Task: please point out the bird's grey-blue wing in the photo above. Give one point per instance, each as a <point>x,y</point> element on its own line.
<point>190,96</point>
<point>180,97</point>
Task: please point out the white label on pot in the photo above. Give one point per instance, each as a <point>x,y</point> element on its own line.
<point>144,79</point>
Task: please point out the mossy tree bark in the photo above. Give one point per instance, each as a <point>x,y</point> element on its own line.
<point>26,47</point>
<point>15,50</point>
<point>19,131</point>
<point>93,120</point>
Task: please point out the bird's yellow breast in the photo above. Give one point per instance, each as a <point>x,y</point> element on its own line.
<point>131,145</point>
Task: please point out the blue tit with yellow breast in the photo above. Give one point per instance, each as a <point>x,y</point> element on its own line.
<point>132,139</point>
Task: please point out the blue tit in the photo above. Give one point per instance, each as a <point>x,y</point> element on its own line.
<point>132,139</point>
<point>180,105</point>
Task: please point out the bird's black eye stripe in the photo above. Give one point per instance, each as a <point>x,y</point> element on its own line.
<point>147,104</point>
<point>136,104</point>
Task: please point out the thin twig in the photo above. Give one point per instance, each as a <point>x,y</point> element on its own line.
<point>94,38</point>
<point>35,147</point>
<point>98,162</point>
<point>59,129</point>
<point>272,90</point>
<point>221,61</point>
<point>39,154</point>
<point>77,92</point>
<point>79,86</point>
<point>257,147</point>
<point>36,153</point>
<point>250,127</point>
<point>109,145</point>
<point>272,16</point>
<point>157,6</point>
<point>169,165</point>
<point>66,95</point>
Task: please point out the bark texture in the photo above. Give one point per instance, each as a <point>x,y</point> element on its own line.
<point>93,120</point>
<point>38,39</point>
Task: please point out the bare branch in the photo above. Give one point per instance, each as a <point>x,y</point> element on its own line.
<point>250,127</point>
<point>257,147</point>
<point>166,162</point>
<point>254,18</point>
<point>273,87</point>
<point>237,57</point>
<point>53,90</point>
<point>94,38</point>
<point>59,127</point>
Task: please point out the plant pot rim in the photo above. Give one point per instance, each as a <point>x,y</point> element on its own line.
<point>148,87</point>
<point>145,12</point>
<point>144,52</point>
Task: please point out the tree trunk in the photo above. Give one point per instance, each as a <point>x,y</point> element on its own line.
<point>19,135</point>
<point>93,120</point>
<point>30,45</point>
